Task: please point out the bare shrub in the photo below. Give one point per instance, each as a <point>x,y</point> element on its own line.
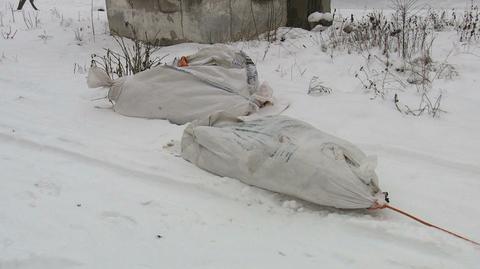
<point>31,22</point>
<point>274,19</point>
<point>426,106</point>
<point>45,37</point>
<point>10,34</point>
<point>384,77</point>
<point>469,28</point>
<point>134,56</point>
<point>446,71</point>
<point>378,76</point>
<point>403,35</point>
<point>80,69</point>
<point>78,35</point>
<point>55,13</point>
<point>403,20</point>
<point>12,11</point>
<point>316,87</point>
<point>91,21</point>
<point>4,58</point>
<point>442,21</point>
<point>399,49</point>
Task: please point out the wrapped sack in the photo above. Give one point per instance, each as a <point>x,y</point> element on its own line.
<point>214,79</point>
<point>287,156</point>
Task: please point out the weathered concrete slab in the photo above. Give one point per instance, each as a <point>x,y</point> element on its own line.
<point>204,21</point>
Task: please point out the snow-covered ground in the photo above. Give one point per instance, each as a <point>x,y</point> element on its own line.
<point>83,187</point>
<point>384,4</point>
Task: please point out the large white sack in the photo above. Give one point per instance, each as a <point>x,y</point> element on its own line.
<point>216,79</point>
<point>284,155</point>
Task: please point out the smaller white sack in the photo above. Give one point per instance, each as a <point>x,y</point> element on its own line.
<point>216,78</point>
<point>284,155</point>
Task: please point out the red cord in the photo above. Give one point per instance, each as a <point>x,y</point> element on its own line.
<point>429,224</point>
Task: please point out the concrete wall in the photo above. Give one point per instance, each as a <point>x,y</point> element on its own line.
<point>207,21</point>
<point>203,21</point>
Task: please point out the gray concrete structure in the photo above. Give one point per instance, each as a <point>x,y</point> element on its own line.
<point>206,21</point>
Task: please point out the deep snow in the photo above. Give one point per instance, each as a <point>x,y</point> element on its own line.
<point>83,187</point>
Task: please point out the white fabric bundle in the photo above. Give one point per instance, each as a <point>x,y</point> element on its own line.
<point>284,155</point>
<point>216,79</point>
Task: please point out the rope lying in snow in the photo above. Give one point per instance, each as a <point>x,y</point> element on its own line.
<point>428,224</point>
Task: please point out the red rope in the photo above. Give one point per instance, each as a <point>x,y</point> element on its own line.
<point>429,224</point>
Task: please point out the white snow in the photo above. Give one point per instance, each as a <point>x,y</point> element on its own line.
<point>317,16</point>
<point>84,187</point>
<point>384,4</point>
